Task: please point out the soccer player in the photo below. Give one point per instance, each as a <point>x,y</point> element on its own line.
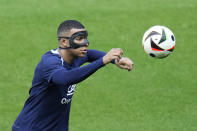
<point>56,75</point>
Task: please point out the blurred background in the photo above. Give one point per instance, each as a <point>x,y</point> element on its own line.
<point>158,95</point>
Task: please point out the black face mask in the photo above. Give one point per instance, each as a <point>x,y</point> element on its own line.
<point>74,45</point>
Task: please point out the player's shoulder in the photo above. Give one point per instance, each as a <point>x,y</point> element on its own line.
<point>51,57</point>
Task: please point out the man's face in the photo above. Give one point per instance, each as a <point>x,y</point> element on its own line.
<point>81,51</point>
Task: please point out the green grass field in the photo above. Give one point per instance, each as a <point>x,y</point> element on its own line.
<point>158,95</point>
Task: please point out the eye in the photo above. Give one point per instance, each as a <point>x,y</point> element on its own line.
<point>79,38</point>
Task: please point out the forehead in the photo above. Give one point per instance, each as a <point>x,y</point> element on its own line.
<point>72,31</point>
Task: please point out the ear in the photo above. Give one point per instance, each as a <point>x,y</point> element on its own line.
<point>64,42</point>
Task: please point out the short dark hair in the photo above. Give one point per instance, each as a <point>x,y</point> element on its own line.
<point>67,25</point>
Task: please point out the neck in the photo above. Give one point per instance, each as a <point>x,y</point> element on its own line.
<point>67,56</point>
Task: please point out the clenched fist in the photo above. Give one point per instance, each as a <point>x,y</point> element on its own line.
<point>125,63</point>
<point>113,54</point>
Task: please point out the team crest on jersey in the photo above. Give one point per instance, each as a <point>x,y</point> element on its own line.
<point>69,92</point>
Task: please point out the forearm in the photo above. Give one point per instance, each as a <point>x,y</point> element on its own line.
<point>95,55</point>
<point>66,77</point>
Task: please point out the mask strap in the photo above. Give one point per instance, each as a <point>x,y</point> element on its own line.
<point>65,48</point>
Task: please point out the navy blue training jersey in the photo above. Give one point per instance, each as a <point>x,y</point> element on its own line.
<point>48,105</point>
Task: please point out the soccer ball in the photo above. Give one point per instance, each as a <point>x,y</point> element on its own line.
<point>158,42</point>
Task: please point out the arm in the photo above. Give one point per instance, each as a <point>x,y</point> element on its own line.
<point>121,62</point>
<point>94,55</point>
<point>68,77</point>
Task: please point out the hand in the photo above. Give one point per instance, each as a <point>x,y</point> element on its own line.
<point>113,54</point>
<point>125,63</point>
